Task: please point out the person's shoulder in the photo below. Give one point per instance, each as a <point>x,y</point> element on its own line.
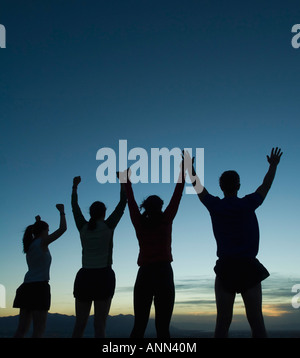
<point>253,199</point>
<point>210,200</point>
<point>252,196</point>
<point>209,196</point>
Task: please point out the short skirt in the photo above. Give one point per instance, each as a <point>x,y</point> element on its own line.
<point>240,274</point>
<point>92,284</point>
<point>155,278</point>
<point>33,296</point>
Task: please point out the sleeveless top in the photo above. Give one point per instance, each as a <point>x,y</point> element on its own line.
<point>97,245</point>
<point>38,261</point>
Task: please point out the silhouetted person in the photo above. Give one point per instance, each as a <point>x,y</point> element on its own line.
<point>236,231</point>
<point>33,296</point>
<point>95,281</point>
<point>155,276</point>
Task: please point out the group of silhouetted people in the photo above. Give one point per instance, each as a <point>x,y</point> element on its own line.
<point>237,270</point>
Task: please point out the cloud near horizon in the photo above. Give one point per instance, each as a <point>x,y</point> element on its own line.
<point>196,295</point>
<point>199,290</point>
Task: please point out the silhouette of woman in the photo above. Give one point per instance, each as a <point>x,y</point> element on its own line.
<point>33,296</point>
<point>95,281</point>
<point>155,276</point>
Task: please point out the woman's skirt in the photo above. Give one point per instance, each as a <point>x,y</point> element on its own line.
<point>92,284</point>
<point>33,296</point>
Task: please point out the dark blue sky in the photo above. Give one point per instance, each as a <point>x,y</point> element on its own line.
<point>80,75</point>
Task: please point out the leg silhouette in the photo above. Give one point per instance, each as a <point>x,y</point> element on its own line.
<point>101,312</point>
<point>143,296</point>
<point>224,301</point>
<point>25,318</point>
<point>39,319</point>
<point>164,303</point>
<point>253,305</point>
<point>82,316</point>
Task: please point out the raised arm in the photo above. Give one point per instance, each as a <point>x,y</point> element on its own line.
<point>134,212</point>
<point>172,208</point>
<point>199,188</point>
<point>78,217</point>
<point>114,218</point>
<point>62,227</point>
<point>273,160</point>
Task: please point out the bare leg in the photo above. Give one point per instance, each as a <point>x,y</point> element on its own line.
<point>101,312</point>
<point>164,304</point>
<point>82,316</point>
<point>142,305</point>
<point>25,318</point>
<point>253,305</point>
<point>224,301</point>
<point>163,314</point>
<point>142,301</point>
<point>39,323</point>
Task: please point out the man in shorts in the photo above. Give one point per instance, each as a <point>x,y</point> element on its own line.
<point>236,232</point>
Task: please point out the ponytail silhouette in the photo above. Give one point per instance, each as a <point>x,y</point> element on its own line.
<point>97,211</point>
<point>32,232</point>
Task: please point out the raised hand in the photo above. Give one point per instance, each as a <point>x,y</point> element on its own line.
<point>124,175</point>
<point>76,181</point>
<point>273,160</point>
<point>60,208</point>
<point>275,156</point>
<point>188,162</point>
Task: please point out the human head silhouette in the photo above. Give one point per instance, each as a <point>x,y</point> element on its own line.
<point>152,205</point>
<point>97,212</point>
<point>37,230</point>
<point>230,183</point>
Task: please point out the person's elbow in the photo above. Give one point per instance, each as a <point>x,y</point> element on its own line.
<point>263,191</point>
<point>63,228</point>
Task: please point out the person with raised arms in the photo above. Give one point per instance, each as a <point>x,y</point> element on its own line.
<point>33,296</point>
<point>95,281</point>
<point>236,231</point>
<point>155,275</point>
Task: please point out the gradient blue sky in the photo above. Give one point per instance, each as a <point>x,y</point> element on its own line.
<point>77,76</point>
